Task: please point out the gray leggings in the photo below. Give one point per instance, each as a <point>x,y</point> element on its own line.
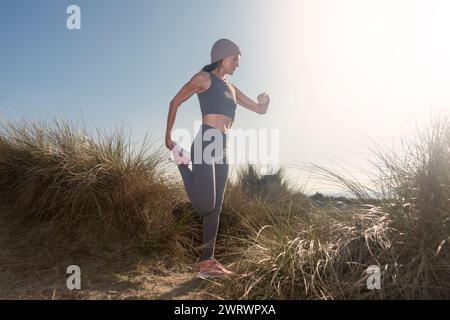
<point>205,184</point>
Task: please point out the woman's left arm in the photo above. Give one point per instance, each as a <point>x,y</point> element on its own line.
<point>258,107</point>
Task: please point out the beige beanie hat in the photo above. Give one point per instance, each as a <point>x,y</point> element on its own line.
<point>223,48</point>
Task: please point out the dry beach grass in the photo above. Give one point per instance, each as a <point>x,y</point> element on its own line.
<point>69,198</point>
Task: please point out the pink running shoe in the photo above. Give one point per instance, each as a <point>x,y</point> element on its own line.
<point>211,269</point>
<point>180,156</point>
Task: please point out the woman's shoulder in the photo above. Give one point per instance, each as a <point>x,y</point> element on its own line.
<point>203,80</point>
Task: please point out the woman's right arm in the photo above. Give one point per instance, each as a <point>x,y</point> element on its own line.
<point>196,84</point>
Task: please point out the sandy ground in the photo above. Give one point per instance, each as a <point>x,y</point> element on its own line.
<point>32,269</point>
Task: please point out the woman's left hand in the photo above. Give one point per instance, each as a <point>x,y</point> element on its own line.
<point>263,99</point>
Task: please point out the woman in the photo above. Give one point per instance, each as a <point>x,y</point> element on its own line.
<point>205,184</point>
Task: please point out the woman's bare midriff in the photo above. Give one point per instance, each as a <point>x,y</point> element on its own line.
<point>218,121</point>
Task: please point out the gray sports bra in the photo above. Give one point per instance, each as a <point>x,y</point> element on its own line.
<point>218,99</point>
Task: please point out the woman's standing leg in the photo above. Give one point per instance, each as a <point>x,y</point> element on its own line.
<point>205,186</point>
<point>211,220</point>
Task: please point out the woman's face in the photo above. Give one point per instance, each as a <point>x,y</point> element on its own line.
<point>231,63</point>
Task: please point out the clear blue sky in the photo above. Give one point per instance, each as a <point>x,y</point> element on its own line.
<point>125,64</point>
<point>337,71</point>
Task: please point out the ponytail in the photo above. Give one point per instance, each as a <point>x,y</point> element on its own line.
<point>212,66</point>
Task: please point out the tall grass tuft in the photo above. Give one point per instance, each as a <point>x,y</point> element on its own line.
<point>60,177</point>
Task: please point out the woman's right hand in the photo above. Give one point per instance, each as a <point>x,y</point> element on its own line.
<point>169,143</point>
